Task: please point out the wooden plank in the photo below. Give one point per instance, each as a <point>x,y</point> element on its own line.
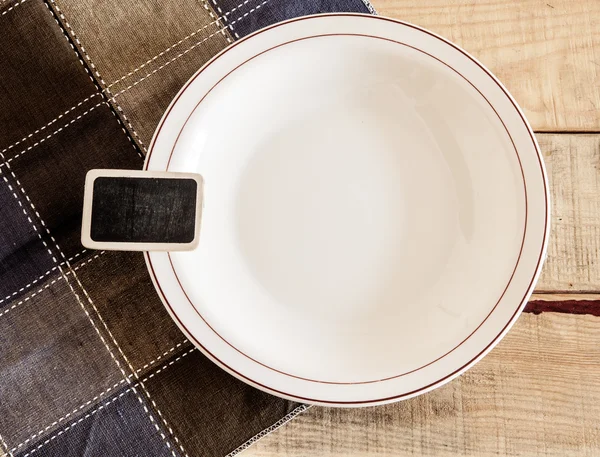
<point>565,297</point>
<point>547,52</point>
<point>573,163</point>
<point>537,394</point>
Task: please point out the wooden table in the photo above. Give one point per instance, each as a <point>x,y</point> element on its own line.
<point>538,392</point>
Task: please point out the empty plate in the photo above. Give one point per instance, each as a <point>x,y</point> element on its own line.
<point>375,210</point>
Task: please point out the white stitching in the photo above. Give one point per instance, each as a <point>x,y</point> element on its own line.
<point>285,419</point>
<point>42,276</point>
<point>29,297</point>
<point>188,50</point>
<point>25,138</point>
<point>164,354</point>
<point>58,248</point>
<point>53,258</point>
<point>72,32</point>
<point>369,7</point>
<point>169,364</point>
<point>72,271</point>
<point>101,394</point>
<point>112,99</point>
<point>224,16</point>
<point>54,133</point>
<point>10,187</point>
<point>211,14</point>
<point>135,70</point>
<point>3,445</point>
<point>158,410</point>
<point>89,299</point>
<point>150,416</point>
<point>156,406</point>
<point>164,367</point>
<point>87,57</point>
<point>91,413</point>
<point>12,7</point>
<point>60,419</point>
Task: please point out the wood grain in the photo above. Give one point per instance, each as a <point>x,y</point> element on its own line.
<point>536,394</point>
<point>547,52</point>
<point>573,164</point>
<point>565,296</point>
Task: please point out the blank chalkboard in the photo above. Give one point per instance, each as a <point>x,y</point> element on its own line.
<point>143,210</point>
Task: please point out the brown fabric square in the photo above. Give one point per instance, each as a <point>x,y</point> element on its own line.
<point>131,308</point>
<point>41,76</point>
<point>146,102</point>
<point>52,360</point>
<point>210,411</point>
<point>53,173</point>
<point>121,36</point>
<point>145,51</point>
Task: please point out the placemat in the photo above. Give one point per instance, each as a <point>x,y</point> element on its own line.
<point>90,362</point>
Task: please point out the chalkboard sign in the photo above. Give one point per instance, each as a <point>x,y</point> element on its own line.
<point>135,210</point>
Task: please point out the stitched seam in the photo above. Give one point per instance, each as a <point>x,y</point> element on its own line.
<point>58,248</point>
<point>60,269</point>
<point>97,73</point>
<point>163,355</point>
<point>12,7</point>
<point>10,187</point>
<point>53,437</point>
<point>188,50</point>
<point>54,133</point>
<point>284,420</point>
<point>369,7</point>
<point>76,40</point>
<point>99,408</point>
<point>114,341</point>
<point>42,276</point>
<point>5,447</point>
<point>101,394</point>
<point>148,413</point>
<point>73,290</point>
<point>177,359</point>
<point>216,20</point>
<point>46,245</point>
<point>25,138</point>
<point>160,54</point>
<point>156,408</point>
<point>46,286</point>
<point>224,16</point>
<point>112,99</point>
<point>68,265</point>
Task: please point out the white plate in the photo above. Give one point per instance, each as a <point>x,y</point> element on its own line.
<point>375,212</point>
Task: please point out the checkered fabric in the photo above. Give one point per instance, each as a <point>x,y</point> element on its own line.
<point>90,362</point>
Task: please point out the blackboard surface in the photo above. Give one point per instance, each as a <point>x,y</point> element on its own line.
<point>143,210</point>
